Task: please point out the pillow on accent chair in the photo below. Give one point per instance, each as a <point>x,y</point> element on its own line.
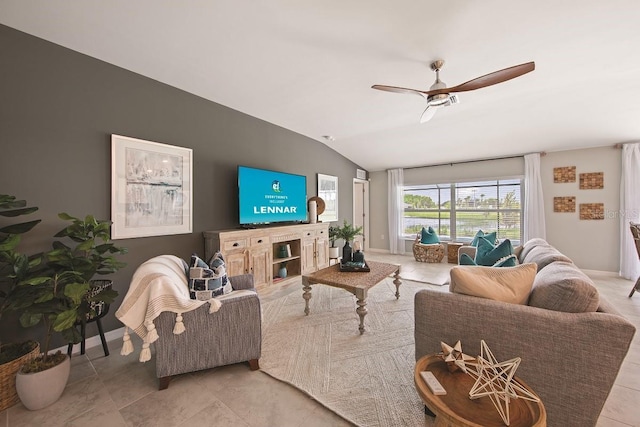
<point>509,284</point>
<point>489,255</point>
<point>491,237</point>
<point>208,280</point>
<point>428,236</point>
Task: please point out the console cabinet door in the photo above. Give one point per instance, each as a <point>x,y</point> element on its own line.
<point>260,266</point>
<point>236,263</point>
<point>308,255</point>
<point>322,252</point>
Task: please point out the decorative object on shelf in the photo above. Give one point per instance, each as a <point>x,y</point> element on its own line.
<point>284,251</point>
<point>564,204</point>
<point>151,185</point>
<point>591,211</point>
<point>358,255</point>
<point>313,212</point>
<point>320,207</point>
<point>328,191</point>
<point>282,271</point>
<point>454,357</point>
<point>592,181</point>
<point>496,380</point>
<point>564,174</point>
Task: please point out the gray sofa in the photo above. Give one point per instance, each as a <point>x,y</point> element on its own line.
<point>231,335</point>
<point>571,353</point>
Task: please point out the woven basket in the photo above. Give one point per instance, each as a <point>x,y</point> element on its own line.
<point>8,371</point>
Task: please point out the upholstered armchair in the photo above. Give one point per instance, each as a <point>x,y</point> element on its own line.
<point>190,335</point>
<point>231,335</point>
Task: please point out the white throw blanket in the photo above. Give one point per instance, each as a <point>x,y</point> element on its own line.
<point>159,284</point>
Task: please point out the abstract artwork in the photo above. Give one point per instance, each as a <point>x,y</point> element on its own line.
<point>151,188</point>
<point>564,204</point>
<point>591,210</point>
<point>592,181</point>
<point>564,174</point>
<point>328,191</point>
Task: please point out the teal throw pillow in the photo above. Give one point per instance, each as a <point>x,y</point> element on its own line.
<point>488,255</point>
<point>429,236</point>
<point>508,261</point>
<point>491,237</point>
<point>466,260</point>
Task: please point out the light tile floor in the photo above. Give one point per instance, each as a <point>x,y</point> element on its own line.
<point>120,391</point>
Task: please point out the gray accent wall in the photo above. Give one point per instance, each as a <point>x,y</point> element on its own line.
<point>591,244</point>
<point>58,109</point>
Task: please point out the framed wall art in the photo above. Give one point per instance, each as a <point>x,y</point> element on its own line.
<point>151,188</point>
<point>328,191</point>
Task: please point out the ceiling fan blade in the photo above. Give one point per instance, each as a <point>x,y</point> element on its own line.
<point>427,114</point>
<point>494,78</point>
<point>398,89</point>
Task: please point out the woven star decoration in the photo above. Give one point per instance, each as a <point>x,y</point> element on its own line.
<point>454,357</point>
<point>496,380</point>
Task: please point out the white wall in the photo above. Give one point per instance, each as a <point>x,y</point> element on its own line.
<point>592,245</point>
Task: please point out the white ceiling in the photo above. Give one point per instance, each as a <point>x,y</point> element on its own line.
<point>308,66</point>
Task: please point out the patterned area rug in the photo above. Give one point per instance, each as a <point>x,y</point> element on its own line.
<point>367,379</point>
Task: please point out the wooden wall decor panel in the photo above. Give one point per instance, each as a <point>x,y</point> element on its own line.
<point>564,174</point>
<point>591,211</point>
<point>564,204</point>
<point>592,181</point>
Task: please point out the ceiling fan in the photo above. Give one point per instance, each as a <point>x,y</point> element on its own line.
<point>439,95</point>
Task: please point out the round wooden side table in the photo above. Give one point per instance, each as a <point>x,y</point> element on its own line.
<point>455,409</point>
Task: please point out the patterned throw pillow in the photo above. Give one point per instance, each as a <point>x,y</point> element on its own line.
<point>428,236</point>
<point>491,237</point>
<point>507,261</point>
<point>216,263</point>
<point>207,281</point>
<point>495,256</point>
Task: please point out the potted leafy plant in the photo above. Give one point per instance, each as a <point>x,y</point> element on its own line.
<point>334,252</point>
<point>347,232</point>
<point>56,295</point>
<point>13,268</point>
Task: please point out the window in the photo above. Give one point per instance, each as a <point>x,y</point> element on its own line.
<point>487,205</point>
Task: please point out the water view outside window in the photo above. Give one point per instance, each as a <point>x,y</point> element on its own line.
<point>457,211</point>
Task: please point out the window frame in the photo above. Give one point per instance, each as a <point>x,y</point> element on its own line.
<point>453,210</point>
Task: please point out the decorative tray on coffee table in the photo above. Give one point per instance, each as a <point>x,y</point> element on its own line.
<point>354,266</point>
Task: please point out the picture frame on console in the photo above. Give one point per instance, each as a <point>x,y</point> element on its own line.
<point>328,191</point>
<point>151,188</point>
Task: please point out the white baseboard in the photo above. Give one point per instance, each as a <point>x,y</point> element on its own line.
<point>94,341</point>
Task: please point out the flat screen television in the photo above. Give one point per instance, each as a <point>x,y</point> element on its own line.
<point>266,196</point>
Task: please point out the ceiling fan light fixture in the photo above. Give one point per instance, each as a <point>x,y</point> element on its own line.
<point>440,99</point>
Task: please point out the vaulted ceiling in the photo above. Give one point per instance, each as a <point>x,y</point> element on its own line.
<point>308,66</point>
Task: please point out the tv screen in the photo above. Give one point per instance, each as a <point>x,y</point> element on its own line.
<point>268,196</point>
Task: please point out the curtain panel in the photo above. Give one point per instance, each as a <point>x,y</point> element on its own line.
<point>395,181</point>
<point>534,223</point>
<point>629,210</point>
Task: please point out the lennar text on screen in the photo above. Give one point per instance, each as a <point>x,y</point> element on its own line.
<point>274,209</point>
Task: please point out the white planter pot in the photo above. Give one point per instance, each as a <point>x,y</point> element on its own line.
<point>334,252</point>
<point>38,390</point>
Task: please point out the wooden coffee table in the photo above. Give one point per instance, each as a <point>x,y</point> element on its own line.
<point>358,283</point>
<point>456,409</point>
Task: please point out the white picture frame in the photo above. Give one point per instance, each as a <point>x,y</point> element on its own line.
<point>151,188</point>
<point>328,191</point>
